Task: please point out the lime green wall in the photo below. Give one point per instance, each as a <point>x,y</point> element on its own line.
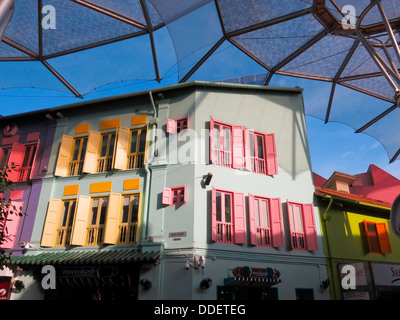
<point>344,232</point>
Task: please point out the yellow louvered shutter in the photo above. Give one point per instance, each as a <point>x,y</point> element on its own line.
<point>64,156</point>
<point>121,154</point>
<point>92,150</point>
<point>111,226</point>
<point>80,222</point>
<point>50,225</point>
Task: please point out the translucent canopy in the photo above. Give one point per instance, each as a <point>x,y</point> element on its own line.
<point>80,45</point>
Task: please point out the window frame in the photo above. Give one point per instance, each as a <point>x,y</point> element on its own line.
<point>305,239</point>
<point>235,231</point>
<point>95,231</point>
<point>220,156</point>
<point>75,167</point>
<point>271,236</point>
<point>129,229</point>
<point>64,232</point>
<point>105,163</point>
<point>168,196</point>
<point>137,159</point>
<point>380,237</point>
<point>176,126</point>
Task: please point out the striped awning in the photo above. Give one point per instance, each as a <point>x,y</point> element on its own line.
<point>250,282</point>
<point>83,257</point>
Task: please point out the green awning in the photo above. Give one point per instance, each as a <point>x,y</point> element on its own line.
<point>75,257</point>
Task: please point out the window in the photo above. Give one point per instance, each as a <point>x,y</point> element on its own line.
<point>266,224</point>
<point>78,156</point>
<point>64,230</point>
<point>137,148</point>
<point>104,162</point>
<point>238,147</point>
<point>23,157</point>
<point>4,157</point>
<point>96,222</point>
<point>377,237</point>
<point>174,196</point>
<point>111,219</point>
<point>101,152</point>
<point>128,226</point>
<point>303,232</point>
<point>221,144</point>
<point>177,125</point>
<point>228,217</point>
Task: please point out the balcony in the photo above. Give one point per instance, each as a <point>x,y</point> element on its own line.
<point>63,236</point>
<point>24,173</point>
<point>104,164</point>
<point>223,158</point>
<point>136,160</point>
<point>94,235</point>
<point>298,241</point>
<point>224,232</point>
<point>75,168</point>
<point>258,165</point>
<point>264,238</point>
<point>127,233</point>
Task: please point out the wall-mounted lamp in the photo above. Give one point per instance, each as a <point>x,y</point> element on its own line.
<point>145,284</point>
<point>205,283</point>
<point>207,178</point>
<point>198,261</point>
<point>49,116</point>
<point>26,245</point>
<point>19,285</point>
<point>59,115</point>
<point>325,284</point>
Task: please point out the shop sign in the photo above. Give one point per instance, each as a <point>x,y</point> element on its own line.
<point>386,274</point>
<point>88,272</point>
<point>250,272</point>
<point>4,288</point>
<point>356,295</point>
<point>360,276</point>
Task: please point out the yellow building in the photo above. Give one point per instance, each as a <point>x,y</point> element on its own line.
<point>361,250</point>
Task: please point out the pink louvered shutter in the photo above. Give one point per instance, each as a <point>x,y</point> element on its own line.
<point>270,151</point>
<point>237,149</point>
<point>167,196</point>
<point>171,126</point>
<point>252,221</point>
<point>212,150</point>
<point>276,222</point>
<point>310,227</point>
<point>214,236</point>
<point>16,157</point>
<point>239,217</point>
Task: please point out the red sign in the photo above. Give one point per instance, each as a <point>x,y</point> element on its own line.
<point>4,287</point>
<point>250,272</point>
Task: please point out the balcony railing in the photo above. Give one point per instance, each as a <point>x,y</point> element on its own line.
<point>298,241</point>
<point>224,232</point>
<point>94,235</point>
<point>24,173</point>
<point>104,164</point>
<point>136,160</point>
<point>75,168</point>
<point>258,165</point>
<point>63,236</point>
<point>127,233</point>
<point>223,158</point>
<point>264,237</point>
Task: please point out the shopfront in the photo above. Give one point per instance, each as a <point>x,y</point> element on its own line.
<point>250,283</point>
<point>88,275</point>
<point>386,279</point>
